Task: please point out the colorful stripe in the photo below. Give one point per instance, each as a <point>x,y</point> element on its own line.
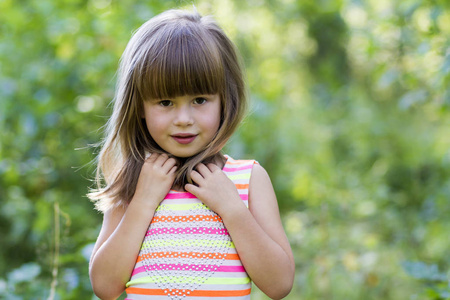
<point>179,195</point>
<point>186,279</point>
<point>197,218</point>
<point>241,186</point>
<point>229,256</point>
<point>186,243</point>
<point>178,207</point>
<point>194,230</point>
<point>195,293</point>
<point>186,267</point>
<point>247,167</point>
<point>239,176</point>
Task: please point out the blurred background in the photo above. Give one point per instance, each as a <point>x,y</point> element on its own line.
<point>349,114</point>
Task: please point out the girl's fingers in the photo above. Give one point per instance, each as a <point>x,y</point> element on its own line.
<point>191,188</point>
<point>169,163</point>
<point>152,157</point>
<point>196,177</point>
<point>202,169</point>
<point>161,159</point>
<point>173,170</point>
<point>212,167</point>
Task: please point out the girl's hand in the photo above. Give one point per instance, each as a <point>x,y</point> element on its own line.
<point>156,179</point>
<point>214,188</point>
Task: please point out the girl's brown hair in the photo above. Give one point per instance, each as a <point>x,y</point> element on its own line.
<point>173,54</point>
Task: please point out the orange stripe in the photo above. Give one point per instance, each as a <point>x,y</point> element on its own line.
<point>239,162</point>
<point>196,293</point>
<point>241,186</point>
<point>191,254</point>
<point>221,293</point>
<point>236,162</point>
<point>213,218</point>
<point>140,291</point>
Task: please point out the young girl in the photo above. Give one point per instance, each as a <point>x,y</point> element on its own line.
<point>182,220</point>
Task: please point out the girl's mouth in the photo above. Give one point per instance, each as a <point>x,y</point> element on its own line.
<point>184,138</point>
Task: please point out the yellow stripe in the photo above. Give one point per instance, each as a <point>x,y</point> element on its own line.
<point>187,243</point>
<point>182,206</point>
<point>187,279</point>
<point>239,176</point>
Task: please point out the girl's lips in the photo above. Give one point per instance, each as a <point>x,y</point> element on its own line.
<point>184,138</point>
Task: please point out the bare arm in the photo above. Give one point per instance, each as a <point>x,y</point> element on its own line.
<point>257,232</point>
<point>123,230</point>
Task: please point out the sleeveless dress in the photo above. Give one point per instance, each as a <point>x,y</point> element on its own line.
<point>187,251</point>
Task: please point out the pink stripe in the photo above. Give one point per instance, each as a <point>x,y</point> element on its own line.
<point>180,196</point>
<point>226,169</point>
<point>186,267</point>
<point>194,230</point>
<point>190,196</point>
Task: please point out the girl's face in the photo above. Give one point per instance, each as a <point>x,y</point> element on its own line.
<point>183,126</point>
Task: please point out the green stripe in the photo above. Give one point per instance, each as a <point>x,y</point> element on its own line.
<point>187,243</point>
<point>188,279</point>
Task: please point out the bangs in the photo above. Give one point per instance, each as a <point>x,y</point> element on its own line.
<point>183,63</point>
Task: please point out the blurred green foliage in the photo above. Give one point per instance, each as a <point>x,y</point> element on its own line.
<point>350,116</point>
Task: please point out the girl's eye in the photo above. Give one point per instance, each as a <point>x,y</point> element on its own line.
<point>165,103</point>
<point>199,100</point>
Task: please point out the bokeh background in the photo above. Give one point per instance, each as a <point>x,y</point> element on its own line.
<point>349,115</point>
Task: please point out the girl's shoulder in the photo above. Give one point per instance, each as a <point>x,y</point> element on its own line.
<point>248,169</point>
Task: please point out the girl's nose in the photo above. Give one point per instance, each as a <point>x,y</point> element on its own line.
<point>183,116</point>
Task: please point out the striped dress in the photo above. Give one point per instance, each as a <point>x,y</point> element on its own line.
<point>187,251</point>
